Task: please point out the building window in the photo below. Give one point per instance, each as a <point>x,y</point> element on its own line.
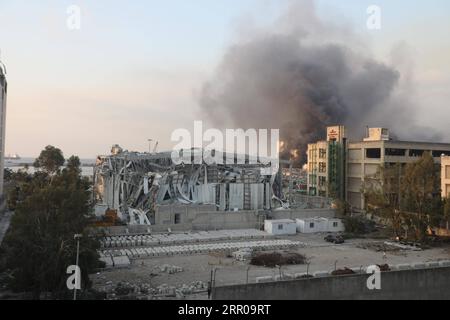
<point>322,181</point>
<point>416,153</point>
<point>322,153</point>
<point>438,154</point>
<point>396,152</point>
<point>447,172</point>
<point>335,224</point>
<point>322,167</point>
<point>374,153</point>
<point>280,227</point>
<point>177,218</point>
<point>311,225</point>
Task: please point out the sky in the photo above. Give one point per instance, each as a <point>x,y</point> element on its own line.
<point>133,70</point>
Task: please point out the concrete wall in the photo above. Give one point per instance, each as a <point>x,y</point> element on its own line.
<point>202,218</point>
<point>422,284</point>
<point>193,219</point>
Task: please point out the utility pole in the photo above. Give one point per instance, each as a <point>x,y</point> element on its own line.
<point>77,237</point>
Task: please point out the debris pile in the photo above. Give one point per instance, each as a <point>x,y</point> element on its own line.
<point>171,269</point>
<point>343,272</point>
<point>378,247</point>
<point>271,260</point>
<point>194,249</point>
<point>404,246</point>
<point>243,254</point>
<point>389,246</point>
<point>384,268</point>
<point>144,291</point>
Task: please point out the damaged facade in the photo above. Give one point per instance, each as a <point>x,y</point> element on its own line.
<point>138,184</point>
<point>339,167</point>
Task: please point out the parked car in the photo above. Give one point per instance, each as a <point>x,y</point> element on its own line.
<point>336,239</point>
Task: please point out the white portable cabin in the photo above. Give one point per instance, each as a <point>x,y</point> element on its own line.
<point>319,225</point>
<point>335,225</point>
<point>311,225</point>
<point>280,227</point>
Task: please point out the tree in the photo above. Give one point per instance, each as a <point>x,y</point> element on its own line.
<point>381,192</point>
<point>8,174</point>
<point>74,164</point>
<point>50,160</point>
<point>421,199</point>
<point>447,213</point>
<point>40,245</point>
<point>409,198</point>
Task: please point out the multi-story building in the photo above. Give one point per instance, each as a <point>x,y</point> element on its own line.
<point>364,159</point>
<point>339,168</point>
<point>3,91</point>
<point>326,165</point>
<point>445,176</point>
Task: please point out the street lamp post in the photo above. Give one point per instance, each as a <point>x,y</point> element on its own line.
<point>77,237</point>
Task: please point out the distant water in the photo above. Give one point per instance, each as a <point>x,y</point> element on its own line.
<point>87,168</point>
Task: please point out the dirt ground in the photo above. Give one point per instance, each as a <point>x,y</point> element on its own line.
<point>321,255</point>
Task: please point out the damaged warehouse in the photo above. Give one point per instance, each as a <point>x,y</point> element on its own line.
<point>138,185</point>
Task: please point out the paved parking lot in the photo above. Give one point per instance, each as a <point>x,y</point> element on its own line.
<point>321,255</point>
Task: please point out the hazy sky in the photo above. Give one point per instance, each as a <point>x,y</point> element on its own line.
<point>134,69</point>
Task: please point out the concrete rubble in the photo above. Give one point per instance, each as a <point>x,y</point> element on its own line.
<point>243,255</point>
<point>170,269</point>
<point>145,291</point>
<point>402,246</point>
<point>194,249</point>
<point>149,240</point>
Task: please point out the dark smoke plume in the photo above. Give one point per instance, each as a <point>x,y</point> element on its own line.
<point>300,76</point>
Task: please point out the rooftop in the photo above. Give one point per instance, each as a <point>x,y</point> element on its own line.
<point>406,142</point>
<point>281,221</point>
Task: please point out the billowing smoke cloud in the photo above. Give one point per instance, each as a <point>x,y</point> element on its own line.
<point>301,75</point>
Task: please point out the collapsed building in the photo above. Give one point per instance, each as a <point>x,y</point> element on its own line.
<point>137,185</point>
